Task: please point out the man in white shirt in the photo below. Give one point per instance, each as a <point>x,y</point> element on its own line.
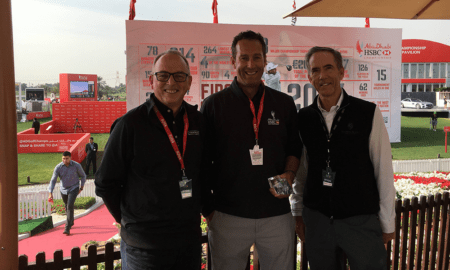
<point>344,194</point>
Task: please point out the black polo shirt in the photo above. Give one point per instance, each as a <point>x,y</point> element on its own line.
<point>240,188</point>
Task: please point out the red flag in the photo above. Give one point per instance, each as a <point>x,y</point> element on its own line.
<point>367,23</point>
<point>214,10</point>
<point>132,10</point>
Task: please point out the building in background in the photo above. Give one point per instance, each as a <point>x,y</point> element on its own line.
<point>425,65</point>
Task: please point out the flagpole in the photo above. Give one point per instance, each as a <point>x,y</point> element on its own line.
<point>8,145</point>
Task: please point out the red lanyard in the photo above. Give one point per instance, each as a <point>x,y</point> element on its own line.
<point>172,140</point>
<point>256,121</point>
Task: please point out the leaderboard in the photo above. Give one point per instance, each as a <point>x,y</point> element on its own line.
<point>212,71</point>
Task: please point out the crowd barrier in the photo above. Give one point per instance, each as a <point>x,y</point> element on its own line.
<point>28,142</point>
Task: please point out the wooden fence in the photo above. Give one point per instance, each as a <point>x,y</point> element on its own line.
<point>421,242</point>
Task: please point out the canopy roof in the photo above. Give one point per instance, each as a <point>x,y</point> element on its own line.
<point>391,9</point>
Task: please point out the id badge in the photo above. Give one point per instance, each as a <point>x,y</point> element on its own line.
<point>328,177</point>
<point>186,187</point>
<point>256,155</point>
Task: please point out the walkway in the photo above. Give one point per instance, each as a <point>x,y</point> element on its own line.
<point>95,226</point>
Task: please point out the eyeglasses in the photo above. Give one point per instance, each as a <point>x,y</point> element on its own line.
<point>165,76</point>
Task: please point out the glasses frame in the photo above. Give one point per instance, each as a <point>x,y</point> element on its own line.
<point>170,74</point>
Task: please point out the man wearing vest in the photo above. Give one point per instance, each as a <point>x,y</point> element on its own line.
<point>252,136</point>
<point>345,204</point>
<point>150,175</point>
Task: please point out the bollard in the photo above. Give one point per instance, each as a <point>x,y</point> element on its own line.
<point>28,179</point>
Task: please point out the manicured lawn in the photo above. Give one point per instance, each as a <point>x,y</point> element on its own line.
<point>40,166</point>
<point>24,126</point>
<point>418,141</point>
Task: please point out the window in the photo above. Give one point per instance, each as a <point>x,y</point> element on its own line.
<point>404,86</point>
<point>443,70</point>
<point>427,70</point>
<point>436,86</point>
<point>427,87</point>
<point>405,71</point>
<point>421,87</point>
<point>420,73</point>
<point>414,88</point>
<point>435,70</point>
<point>413,71</point>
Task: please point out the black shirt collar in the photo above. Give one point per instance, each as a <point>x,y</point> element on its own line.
<point>240,93</point>
<point>166,112</point>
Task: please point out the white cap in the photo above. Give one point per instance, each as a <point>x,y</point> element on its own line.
<point>271,66</point>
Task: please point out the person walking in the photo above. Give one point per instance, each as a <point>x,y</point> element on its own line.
<point>72,179</point>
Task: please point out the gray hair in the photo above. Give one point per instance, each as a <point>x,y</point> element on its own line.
<point>337,56</point>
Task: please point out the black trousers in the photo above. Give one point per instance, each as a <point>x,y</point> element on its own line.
<point>90,159</point>
<point>360,237</point>
<point>186,258</point>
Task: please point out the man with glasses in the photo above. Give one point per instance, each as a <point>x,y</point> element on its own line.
<point>150,175</point>
<point>252,136</point>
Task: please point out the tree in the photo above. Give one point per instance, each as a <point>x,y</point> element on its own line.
<point>101,85</point>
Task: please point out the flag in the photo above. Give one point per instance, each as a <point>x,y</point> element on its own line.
<point>214,11</point>
<point>294,19</point>
<point>132,10</point>
<point>367,23</point>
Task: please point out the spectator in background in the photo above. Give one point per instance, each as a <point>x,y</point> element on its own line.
<point>434,120</point>
<point>91,151</point>
<point>445,102</point>
<point>36,125</point>
<point>69,173</point>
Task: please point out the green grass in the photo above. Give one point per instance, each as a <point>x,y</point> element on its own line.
<point>418,141</point>
<point>29,225</point>
<point>40,166</point>
<point>24,126</point>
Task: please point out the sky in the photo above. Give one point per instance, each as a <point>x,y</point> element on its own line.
<point>88,36</point>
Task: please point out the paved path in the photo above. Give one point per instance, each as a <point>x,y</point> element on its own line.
<point>95,226</point>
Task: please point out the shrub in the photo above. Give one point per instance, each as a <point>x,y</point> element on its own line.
<point>80,203</point>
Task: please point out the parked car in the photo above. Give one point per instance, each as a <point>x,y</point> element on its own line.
<point>416,103</point>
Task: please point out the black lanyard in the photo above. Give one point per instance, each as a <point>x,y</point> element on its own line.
<point>330,134</point>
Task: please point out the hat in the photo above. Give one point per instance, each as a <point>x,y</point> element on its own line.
<point>271,66</point>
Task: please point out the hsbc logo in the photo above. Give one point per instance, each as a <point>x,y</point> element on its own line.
<point>82,77</point>
<point>386,52</point>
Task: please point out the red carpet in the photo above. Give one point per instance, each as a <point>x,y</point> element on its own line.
<point>97,226</point>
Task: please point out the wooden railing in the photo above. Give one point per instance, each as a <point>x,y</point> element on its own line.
<point>421,242</point>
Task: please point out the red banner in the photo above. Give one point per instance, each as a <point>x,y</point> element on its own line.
<point>424,51</point>
<point>47,143</point>
<point>38,115</point>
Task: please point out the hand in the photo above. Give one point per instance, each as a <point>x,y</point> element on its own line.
<point>388,237</point>
<point>209,218</point>
<point>79,191</point>
<point>289,176</point>
<point>300,228</point>
<point>50,196</point>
